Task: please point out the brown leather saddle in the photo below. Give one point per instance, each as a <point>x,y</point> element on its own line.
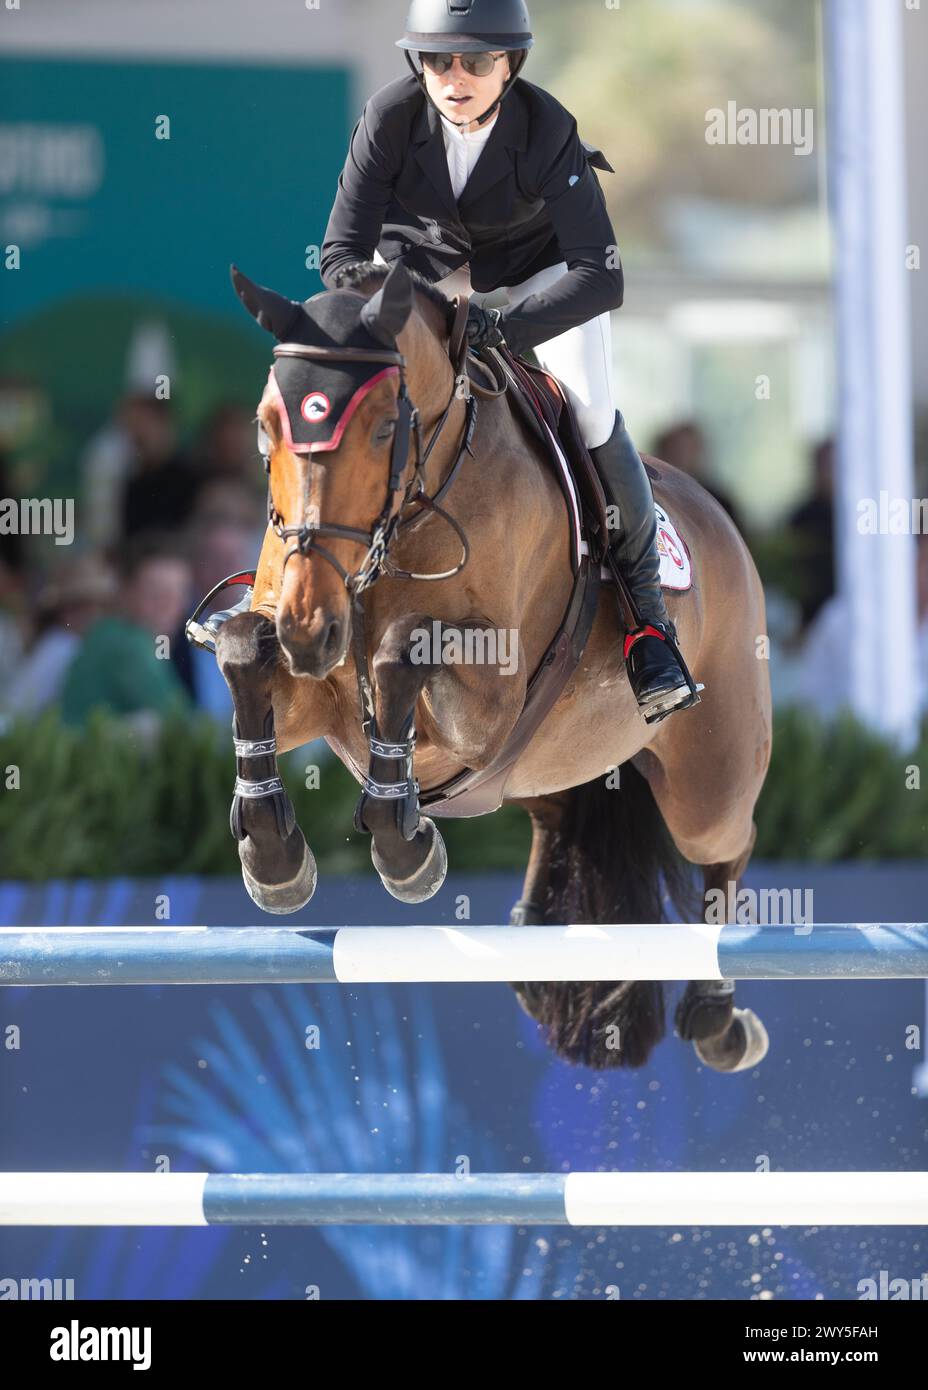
<point>544,406</point>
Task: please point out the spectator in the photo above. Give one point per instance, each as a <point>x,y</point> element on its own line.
<point>812,528</point>
<point>11,543</point>
<point>110,455</point>
<point>824,674</point>
<point>218,549</point>
<point>160,491</point>
<point>71,600</point>
<point>12,592</point>
<point>117,666</point>
<point>227,502</point>
<point>684,445</point>
<point>227,454</point>
<point>106,462</point>
<point>11,622</point>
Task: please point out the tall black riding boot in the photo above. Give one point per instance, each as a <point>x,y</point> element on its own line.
<point>656,676</point>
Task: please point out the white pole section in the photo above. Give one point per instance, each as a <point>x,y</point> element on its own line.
<point>867,149</point>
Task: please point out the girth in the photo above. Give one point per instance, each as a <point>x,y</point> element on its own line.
<point>475,793</point>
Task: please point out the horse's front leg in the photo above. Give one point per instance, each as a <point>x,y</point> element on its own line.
<point>278,867</point>
<point>407,848</point>
<point>472,712</point>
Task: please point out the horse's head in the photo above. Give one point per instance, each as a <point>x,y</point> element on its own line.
<point>340,440</point>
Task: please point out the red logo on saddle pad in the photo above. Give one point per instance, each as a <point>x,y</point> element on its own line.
<point>671,549</point>
<point>676,570</point>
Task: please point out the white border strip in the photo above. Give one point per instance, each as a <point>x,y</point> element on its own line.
<point>747,1199</point>
<point>590,1199</point>
<point>102,1199</point>
<point>102,931</point>
<point>483,955</point>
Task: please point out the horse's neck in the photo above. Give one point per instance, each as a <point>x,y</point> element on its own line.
<point>432,388</point>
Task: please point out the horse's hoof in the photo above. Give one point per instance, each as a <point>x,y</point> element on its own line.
<point>705,1010</point>
<point>284,897</point>
<point>742,1047</point>
<point>526,914</point>
<point>425,881</point>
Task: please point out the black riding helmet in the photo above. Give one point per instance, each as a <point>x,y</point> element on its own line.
<point>468,26</point>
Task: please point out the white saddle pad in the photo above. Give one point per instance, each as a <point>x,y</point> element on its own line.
<point>676,565</point>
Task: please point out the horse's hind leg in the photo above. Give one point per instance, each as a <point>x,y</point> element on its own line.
<point>706,776</point>
<point>278,867</point>
<point>725,1038</point>
<point>546,814</point>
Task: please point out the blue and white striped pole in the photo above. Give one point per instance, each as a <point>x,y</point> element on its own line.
<point>441,1199</point>
<point>369,955</point>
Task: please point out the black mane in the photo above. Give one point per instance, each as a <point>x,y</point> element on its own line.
<point>350,276</point>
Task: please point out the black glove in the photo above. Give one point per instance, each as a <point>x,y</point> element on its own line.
<point>483,327</point>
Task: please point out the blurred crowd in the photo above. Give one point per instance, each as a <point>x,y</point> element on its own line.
<point>159,522</point>
<point>807,620</point>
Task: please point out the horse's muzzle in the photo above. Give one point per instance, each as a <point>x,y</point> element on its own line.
<point>313,649</point>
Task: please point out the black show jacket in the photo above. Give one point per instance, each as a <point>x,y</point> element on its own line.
<point>531,201</point>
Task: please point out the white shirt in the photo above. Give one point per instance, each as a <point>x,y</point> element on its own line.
<point>463,150</point>
<point>40,675</point>
<point>824,675</point>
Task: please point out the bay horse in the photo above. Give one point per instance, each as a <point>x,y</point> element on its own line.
<point>332,646</point>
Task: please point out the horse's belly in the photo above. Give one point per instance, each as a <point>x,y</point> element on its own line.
<point>575,756</point>
<point>593,728</point>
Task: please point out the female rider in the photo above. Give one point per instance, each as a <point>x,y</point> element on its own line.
<point>465,165</point>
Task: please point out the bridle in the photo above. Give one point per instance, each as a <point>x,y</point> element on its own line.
<point>389,523</point>
<point>376,561</point>
<point>402,790</point>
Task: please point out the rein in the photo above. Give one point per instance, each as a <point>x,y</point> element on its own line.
<point>390,522</point>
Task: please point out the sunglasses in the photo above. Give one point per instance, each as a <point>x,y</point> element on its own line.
<point>477,64</point>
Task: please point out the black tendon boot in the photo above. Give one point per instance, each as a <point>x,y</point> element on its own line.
<point>655,667</point>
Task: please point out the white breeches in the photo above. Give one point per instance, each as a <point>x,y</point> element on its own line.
<point>581,358</point>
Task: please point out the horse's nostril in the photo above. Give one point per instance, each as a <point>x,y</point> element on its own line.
<point>333,637</point>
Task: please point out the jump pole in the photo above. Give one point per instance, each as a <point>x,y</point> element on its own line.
<point>441,1199</point>
<point>440,954</point>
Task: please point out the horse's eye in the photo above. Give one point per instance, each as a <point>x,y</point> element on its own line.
<point>264,444</point>
<point>385,431</point>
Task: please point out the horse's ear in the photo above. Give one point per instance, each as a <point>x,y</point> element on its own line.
<point>385,312</point>
<point>272,311</point>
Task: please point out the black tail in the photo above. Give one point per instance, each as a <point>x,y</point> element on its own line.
<point>612,860</point>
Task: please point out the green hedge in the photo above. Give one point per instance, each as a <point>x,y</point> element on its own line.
<point>100,802</point>
<point>841,792</point>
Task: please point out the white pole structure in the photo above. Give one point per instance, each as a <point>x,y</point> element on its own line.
<point>867,163</point>
<point>484,1199</point>
<point>920,1074</point>
<point>461,955</point>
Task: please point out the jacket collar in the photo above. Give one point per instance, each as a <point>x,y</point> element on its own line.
<point>509,132</point>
